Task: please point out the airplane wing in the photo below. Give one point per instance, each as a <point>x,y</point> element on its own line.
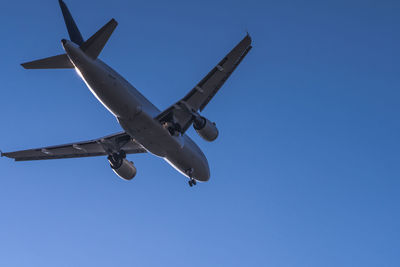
<point>91,148</point>
<point>182,111</point>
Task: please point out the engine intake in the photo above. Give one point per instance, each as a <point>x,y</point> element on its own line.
<point>122,167</point>
<point>206,129</point>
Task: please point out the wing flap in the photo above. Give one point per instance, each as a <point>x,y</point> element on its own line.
<point>216,82</point>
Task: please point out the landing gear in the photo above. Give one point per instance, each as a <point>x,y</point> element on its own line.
<point>189,173</point>
<point>174,129</point>
<point>192,182</point>
<point>116,159</point>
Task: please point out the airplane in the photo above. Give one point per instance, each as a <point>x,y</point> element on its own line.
<point>146,128</point>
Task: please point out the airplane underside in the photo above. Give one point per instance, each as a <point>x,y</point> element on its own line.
<point>146,128</point>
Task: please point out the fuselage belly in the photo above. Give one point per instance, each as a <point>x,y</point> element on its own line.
<point>136,115</point>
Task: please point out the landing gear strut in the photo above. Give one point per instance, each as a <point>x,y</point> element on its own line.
<point>174,129</point>
<point>192,181</point>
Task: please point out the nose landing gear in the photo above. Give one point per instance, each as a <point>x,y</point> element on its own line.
<point>189,173</point>
<point>192,182</point>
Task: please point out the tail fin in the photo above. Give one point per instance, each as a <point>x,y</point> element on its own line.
<point>60,61</point>
<point>73,30</point>
<point>93,46</point>
<point>55,62</point>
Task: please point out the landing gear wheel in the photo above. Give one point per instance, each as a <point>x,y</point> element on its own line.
<point>192,182</point>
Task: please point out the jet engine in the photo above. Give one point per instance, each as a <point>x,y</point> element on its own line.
<point>122,167</point>
<point>205,128</point>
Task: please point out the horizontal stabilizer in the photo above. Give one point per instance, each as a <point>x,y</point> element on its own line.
<point>55,62</point>
<point>93,46</point>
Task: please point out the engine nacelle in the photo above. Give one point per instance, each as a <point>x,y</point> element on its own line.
<point>123,168</point>
<point>206,129</point>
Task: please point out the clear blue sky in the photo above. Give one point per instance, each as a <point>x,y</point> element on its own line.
<point>305,171</point>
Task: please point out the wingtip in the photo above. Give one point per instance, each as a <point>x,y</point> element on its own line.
<point>248,34</point>
<point>3,154</point>
<point>114,21</point>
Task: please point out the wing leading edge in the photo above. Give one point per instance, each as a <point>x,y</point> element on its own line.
<point>205,90</point>
<point>97,147</point>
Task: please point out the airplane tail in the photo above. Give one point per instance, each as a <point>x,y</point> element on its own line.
<point>92,47</point>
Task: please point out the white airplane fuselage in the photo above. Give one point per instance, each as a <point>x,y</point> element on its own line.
<point>136,115</point>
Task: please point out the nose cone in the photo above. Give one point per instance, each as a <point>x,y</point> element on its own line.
<point>203,171</point>
<point>206,173</point>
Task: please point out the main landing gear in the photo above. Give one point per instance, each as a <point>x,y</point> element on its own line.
<point>174,129</point>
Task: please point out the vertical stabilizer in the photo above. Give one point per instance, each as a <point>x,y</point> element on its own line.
<point>73,30</point>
